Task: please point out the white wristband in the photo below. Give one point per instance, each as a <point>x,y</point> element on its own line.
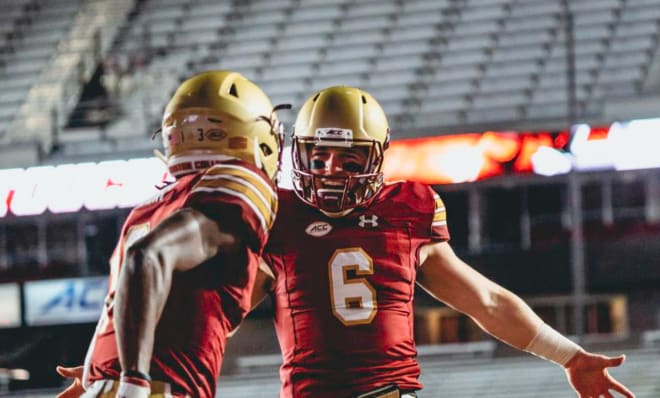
<point>130,390</point>
<point>551,345</point>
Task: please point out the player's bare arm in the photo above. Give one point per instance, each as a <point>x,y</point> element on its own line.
<point>446,277</point>
<point>181,242</point>
<point>507,317</point>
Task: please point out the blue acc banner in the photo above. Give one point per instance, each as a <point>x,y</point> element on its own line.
<point>61,301</point>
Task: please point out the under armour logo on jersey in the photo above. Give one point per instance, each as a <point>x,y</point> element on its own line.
<point>368,221</point>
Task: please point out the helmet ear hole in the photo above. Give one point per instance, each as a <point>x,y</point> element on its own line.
<point>364,100</point>
<point>233,91</point>
<point>265,149</point>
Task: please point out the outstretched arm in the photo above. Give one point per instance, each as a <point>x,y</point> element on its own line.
<point>447,278</point>
<point>181,242</point>
<point>507,317</point>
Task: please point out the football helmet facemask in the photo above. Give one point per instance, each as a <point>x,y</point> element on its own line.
<point>219,115</point>
<point>346,119</point>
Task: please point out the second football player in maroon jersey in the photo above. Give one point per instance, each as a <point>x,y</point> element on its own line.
<point>344,257</point>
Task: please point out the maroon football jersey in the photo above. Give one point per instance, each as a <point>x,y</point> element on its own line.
<point>206,303</point>
<point>344,291</point>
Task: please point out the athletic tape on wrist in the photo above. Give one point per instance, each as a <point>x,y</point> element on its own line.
<point>551,345</point>
<point>136,374</point>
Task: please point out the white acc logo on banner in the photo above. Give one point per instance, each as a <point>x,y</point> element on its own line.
<point>52,302</point>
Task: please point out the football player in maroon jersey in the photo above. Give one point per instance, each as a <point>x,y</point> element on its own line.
<point>183,269</point>
<point>346,252</point>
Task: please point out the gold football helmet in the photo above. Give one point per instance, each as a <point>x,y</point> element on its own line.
<point>219,115</point>
<point>347,118</point>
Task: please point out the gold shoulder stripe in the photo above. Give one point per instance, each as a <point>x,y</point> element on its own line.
<point>246,191</point>
<point>243,172</point>
<point>244,184</point>
<point>439,204</point>
<point>264,198</point>
<point>265,217</point>
<point>238,173</point>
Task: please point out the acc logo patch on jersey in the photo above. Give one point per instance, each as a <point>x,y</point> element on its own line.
<point>318,229</point>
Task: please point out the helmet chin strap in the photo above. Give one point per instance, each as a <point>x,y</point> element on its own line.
<point>161,156</point>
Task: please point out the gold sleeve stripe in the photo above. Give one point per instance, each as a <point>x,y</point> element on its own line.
<point>247,191</point>
<point>439,215</point>
<point>264,219</point>
<point>442,216</point>
<point>223,175</point>
<point>243,172</point>
<point>265,198</point>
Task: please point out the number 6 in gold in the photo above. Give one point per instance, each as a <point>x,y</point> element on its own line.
<point>353,299</point>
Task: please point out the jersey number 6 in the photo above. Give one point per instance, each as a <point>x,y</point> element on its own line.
<point>353,297</point>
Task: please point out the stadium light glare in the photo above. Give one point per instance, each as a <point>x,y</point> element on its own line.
<point>637,144</point>
<point>550,162</point>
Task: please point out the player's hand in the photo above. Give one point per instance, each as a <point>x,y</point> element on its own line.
<point>76,389</point>
<point>587,374</point>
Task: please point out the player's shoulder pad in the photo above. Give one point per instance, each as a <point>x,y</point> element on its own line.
<point>417,202</point>
<point>414,195</point>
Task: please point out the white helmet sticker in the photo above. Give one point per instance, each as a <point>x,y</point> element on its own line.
<point>335,136</point>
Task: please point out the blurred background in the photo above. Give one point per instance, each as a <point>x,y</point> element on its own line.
<point>538,122</point>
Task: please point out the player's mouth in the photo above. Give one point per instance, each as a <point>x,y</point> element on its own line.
<point>332,183</point>
<point>330,199</point>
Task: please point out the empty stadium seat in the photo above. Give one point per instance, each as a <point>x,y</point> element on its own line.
<point>481,50</point>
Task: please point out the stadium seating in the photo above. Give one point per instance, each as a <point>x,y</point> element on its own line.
<point>51,48</point>
<point>436,65</point>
